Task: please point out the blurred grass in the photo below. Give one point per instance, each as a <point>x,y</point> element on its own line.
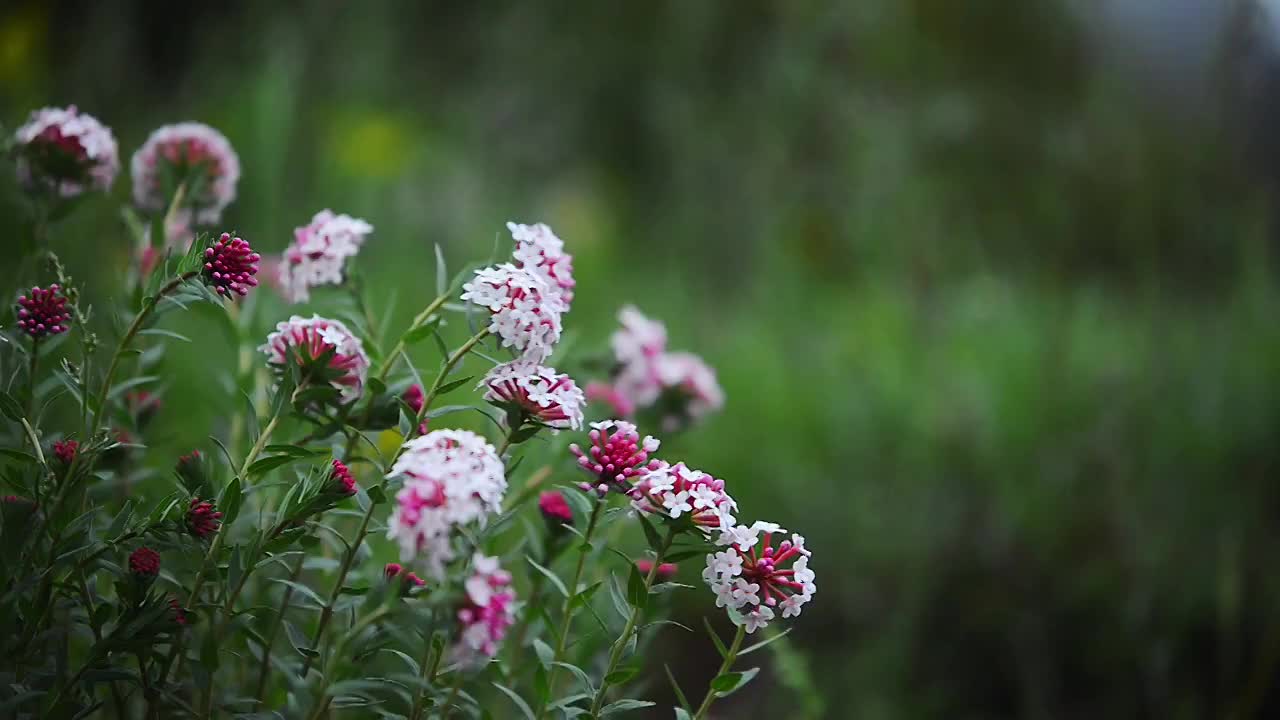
<point>998,331</point>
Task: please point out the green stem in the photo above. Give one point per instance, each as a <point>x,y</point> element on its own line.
<point>445,369</point>
<point>31,377</point>
<point>446,710</point>
<point>567,611</point>
<point>322,702</point>
<point>215,547</point>
<point>620,645</point>
<point>56,504</point>
<point>265,670</point>
<point>535,597</point>
<point>327,613</point>
<point>129,334</point>
<point>398,350</point>
<point>725,666</point>
<point>256,450</point>
<point>430,666</point>
<point>83,587</point>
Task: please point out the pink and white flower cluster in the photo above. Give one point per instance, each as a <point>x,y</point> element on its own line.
<point>755,578</point>
<point>195,155</point>
<point>487,611</point>
<point>527,297</point>
<point>525,311</point>
<point>616,455</point>
<point>66,151</point>
<point>451,478</point>
<point>680,385</point>
<point>550,398</point>
<point>305,340</point>
<point>539,251</point>
<point>679,491</point>
<point>319,253</point>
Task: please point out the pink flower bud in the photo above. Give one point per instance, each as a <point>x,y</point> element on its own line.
<point>144,562</point>
<point>43,312</point>
<point>230,266</point>
<point>554,508</point>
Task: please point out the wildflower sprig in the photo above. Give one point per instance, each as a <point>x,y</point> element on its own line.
<point>345,539</point>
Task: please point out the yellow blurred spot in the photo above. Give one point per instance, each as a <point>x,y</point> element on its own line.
<point>580,213</point>
<point>389,441</point>
<point>371,145</point>
<point>20,36</point>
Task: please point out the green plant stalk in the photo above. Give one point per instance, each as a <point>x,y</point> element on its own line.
<point>418,320</point>
<point>568,610</point>
<point>725,666</point>
<point>430,666</point>
<point>322,702</point>
<point>60,497</point>
<point>535,597</point>
<point>215,547</point>
<point>265,670</point>
<point>31,377</point>
<point>327,613</point>
<point>445,369</point>
<point>143,673</point>
<point>446,710</point>
<point>134,327</point>
<point>58,696</point>
<point>615,655</point>
<point>83,587</point>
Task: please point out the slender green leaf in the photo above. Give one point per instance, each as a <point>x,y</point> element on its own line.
<point>637,594</point>
<point>724,652</point>
<point>545,654</point>
<point>621,675</point>
<point>765,642</point>
<point>421,332</point>
<point>650,533</point>
<point>268,464</point>
<point>10,407</point>
<point>442,272</point>
<point>451,386</point>
<point>731,682</point>
<point>520,703</point>
<point>550,576</point>
<point>675,687</point>
<point>18,455</point>
<point>165,333</point>
<point>624,705</point>
<point>230,501</point>
<point>584,596</point>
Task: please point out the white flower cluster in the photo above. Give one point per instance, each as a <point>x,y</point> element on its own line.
<point>525,309</point>
<point>683,386</point>
<point>319,252</point>
<point>539,251</point>
<point>198,155</point>
<point>550,398</point>
<point>753,578</point>
<point>76,139</point>
<point>307,339</point>
<point>451,478</point>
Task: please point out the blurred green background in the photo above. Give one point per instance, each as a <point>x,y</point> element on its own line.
<point>990,287</point>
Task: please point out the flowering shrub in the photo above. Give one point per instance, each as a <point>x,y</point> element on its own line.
<point>258,582</point>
